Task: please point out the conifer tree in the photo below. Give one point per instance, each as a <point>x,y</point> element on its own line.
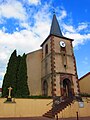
<point>22,87</point>
<point>18,64</point>
<point>10,76</point>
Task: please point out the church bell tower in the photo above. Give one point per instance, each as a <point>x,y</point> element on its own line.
<point>59,73</point>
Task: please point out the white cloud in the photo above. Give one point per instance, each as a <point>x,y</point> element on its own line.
<point>63,14</point>
<point>2,73</point>
<point>13,9</point>
<point>1,83</point>
<point>3,56</point>
<point>69,28</point>
<point>42,22</point>
<point>82,26</point>
<point>23,41</point>
<point>18,40</point>
<point>32,2</point>
<point>74,32</point>
<point>30,38</point>
<point>78,38</point>
<point>35,2</point>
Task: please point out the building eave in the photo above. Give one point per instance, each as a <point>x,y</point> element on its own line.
<point>55,36</point>
<point>84,76</point>
<point>34,51</point>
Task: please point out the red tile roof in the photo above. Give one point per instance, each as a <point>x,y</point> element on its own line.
<point>84,76</point>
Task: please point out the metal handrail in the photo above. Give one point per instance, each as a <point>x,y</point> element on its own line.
<point>58,99</point>
<point>49,103</point>
<point>54,99</point>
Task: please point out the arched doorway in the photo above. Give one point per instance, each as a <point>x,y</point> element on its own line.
<point>45,88</point>
<point>67,90</point>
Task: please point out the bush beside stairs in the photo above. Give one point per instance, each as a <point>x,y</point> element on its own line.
<point>57,108</point>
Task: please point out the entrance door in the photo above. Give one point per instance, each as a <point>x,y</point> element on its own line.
<point>67,90</point>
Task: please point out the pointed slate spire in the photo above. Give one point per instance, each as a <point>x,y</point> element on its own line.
<point>55,28</point>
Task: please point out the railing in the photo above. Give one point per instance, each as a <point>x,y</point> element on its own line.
<point>58,104</point>
<point>55,100</point>
<point>58,99</point>
<point>49,103</point>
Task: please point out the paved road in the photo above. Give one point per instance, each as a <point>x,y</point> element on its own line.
<point>44,118</point>
<point>31,118</point>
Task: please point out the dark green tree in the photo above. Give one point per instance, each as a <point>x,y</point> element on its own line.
<point>10,76</point>
<point>18,64</point>
<point>22,87</point>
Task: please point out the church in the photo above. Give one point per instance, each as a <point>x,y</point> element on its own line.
<point>52,70</point>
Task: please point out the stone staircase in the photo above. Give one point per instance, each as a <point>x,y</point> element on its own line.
<point>58,107</point>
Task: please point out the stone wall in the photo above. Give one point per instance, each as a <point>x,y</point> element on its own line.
<point>37,107</point>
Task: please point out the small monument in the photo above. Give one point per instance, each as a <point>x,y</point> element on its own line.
<point>9,98</point>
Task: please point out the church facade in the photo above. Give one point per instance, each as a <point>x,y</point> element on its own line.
<point>52,70</point>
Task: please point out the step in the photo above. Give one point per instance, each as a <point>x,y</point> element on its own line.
<point>58,108</point>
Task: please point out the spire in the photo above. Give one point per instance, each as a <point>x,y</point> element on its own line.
<point>55,28</point>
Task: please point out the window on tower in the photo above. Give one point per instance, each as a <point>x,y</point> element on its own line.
<point>46,49</point>
<point>63,49</point>
<point>45,88</point>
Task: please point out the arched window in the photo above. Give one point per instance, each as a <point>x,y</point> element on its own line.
<point>45,88</point>
<point>46,49</point>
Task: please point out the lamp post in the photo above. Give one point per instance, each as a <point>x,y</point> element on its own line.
<point>80,105</point>
<point>77,115</point>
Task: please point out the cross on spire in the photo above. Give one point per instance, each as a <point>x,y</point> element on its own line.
<point>53,10</point>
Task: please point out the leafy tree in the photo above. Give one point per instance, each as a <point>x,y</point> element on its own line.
<point>10,76</point>
<point>22,87</point>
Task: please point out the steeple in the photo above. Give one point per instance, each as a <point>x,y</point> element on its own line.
<point>55,28</point>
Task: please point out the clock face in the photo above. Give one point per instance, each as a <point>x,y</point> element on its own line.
<point>62,44</point>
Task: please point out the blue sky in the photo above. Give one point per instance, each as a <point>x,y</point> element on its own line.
<point>24,25</point>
